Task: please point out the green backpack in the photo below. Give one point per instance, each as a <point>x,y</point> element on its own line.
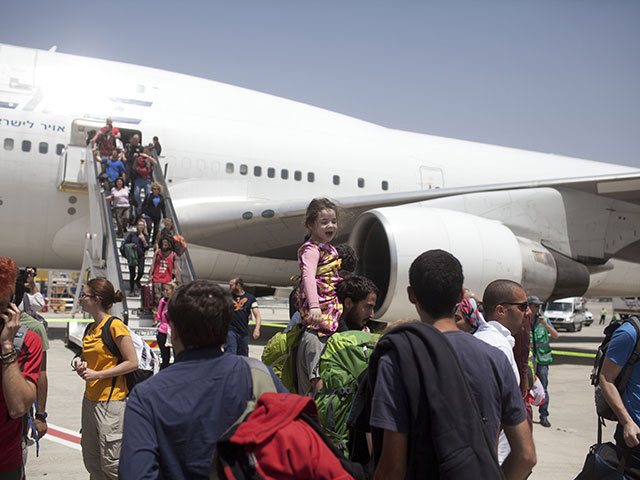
<point>345,357</point>
<point>280,354</point>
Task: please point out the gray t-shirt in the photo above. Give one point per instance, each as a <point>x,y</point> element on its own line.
<point>488,373</point>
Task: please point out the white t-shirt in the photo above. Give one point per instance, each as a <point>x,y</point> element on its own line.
<point>496,335</point>
<point>120,197</point>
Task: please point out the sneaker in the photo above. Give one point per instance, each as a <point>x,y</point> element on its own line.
<point>545,422</point>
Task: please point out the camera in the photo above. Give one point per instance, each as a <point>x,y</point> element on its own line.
<point>33,271</point>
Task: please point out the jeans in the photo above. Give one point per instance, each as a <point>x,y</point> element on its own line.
<point>237,344</point>
<point>141,184</point>
<point>542,372</point>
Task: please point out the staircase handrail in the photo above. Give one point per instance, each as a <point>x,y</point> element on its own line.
<point>158,176</point>
<point>109,251</point>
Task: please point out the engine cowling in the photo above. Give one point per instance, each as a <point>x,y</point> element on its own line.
<point>387,241</point>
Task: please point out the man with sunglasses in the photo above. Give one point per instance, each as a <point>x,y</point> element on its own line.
<point>20,369</point>
<point>505,307</point>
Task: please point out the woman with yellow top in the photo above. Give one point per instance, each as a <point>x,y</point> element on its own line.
<point>106,391</point>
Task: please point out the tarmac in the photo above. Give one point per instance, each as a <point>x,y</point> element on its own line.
<point>561,449</point>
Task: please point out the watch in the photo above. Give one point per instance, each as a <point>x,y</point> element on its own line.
<point>10,357</point>
<point>41,416</point>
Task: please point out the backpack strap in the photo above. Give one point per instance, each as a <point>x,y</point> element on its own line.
<point>110,344</point>
<point>633,358</point>
<point>18,340</point>
<point>261,382</point>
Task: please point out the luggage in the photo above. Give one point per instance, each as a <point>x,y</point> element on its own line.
<point>607,461</point>
<point>146,294</point>
<point>280,354</point>
<point>345,358</point>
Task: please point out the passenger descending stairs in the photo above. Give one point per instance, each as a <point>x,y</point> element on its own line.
<point>101,255</point>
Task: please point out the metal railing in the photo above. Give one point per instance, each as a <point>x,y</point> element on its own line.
<point>104,246</point>
<point>186,270</point>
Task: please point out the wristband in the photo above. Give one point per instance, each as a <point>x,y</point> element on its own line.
<point>9,357</point>
<point>41,416</point>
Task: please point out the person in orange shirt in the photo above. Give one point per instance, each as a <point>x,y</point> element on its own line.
<point>106,390</point>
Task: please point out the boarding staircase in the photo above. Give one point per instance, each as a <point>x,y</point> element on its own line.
<point>101,255</point>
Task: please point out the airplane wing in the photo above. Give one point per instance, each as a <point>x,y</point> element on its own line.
<point>275,229</point>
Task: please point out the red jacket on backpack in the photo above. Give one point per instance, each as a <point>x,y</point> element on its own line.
<point>284,445</point>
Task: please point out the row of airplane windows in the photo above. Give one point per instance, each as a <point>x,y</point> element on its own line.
<point>297,175</point>
<point>43,147</point>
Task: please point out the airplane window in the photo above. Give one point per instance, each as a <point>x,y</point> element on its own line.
<point>8,143</point>
<point>59,149</point>
<point>385,185</point>
<point>361,182</point>
<point>26,146</point>
<point>257,171</point>
<point>336,179</point>
<point>297,175</point>
<point>311,177</point>
<point>228,167</point>
<point>284,174</point>
<point>271,172</point>
<point>43,147</point>
<point>244,169</point>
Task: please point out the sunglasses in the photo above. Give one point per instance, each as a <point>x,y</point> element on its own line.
<point>522,306</point>
<point>87,295</point>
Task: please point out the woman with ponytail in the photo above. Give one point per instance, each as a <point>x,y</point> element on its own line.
<point>106,391</point>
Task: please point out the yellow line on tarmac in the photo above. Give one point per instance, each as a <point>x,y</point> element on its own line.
<point>573,354</point>
<point>87,320</point>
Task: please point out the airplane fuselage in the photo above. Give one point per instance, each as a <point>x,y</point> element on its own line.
<point>222,146</point>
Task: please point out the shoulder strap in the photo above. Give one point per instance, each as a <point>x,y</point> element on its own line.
<point>261,382</point>
<point>635,355</point>
<point>636,351</point>
<point>18,340</point>
<point>108,340</point>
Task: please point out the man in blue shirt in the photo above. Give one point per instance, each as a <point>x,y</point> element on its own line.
<point>244,305</point>
<point>174,419</point>
<point>113,168</point>
<point>627,406</point>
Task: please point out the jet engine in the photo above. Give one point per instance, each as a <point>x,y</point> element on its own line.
<point>387,240</point>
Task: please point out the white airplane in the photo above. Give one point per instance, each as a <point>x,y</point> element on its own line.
<point>243,165</point>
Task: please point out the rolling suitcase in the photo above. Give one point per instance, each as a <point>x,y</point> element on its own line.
<point>146,292</point>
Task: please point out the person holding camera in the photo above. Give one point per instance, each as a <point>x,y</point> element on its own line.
<point>32,301</point>
<point>18,376</point>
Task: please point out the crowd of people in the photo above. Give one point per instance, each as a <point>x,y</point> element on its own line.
<point>448,394</point>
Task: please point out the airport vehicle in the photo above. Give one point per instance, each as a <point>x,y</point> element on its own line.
<point>588,318</point>
<point>567,313</point>
<point>623,307</point>
<point>241,166</point>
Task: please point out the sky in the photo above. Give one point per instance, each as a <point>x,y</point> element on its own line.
<point>545,75</point>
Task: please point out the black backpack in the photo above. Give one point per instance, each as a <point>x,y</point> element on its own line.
<point>602,407</point>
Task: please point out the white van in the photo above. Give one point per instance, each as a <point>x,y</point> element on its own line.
<point>566,313</point>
